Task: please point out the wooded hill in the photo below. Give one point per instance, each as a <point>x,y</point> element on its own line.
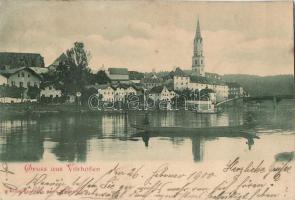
<point>264,85</point>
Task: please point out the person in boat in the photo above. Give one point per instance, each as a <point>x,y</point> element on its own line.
<point>250,142</point>
<point>145,138</point>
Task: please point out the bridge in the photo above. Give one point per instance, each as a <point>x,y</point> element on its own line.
<point>275,99</point>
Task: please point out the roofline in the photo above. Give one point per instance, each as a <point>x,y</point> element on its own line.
<point>24,68</point>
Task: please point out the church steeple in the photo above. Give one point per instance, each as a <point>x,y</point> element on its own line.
<point>198,58</point>
<point>198,30</point>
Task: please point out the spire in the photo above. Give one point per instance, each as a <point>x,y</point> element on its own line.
<point>198,31</point>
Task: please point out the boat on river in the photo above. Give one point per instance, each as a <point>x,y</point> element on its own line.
<point>179,131</point>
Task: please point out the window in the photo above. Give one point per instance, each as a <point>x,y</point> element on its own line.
<point>21,84</point>
<point>35,84</point>
<point>29,84</point>
<point>28,75</point>
<point>12,83</point>
<point>23,74</point>
<point>18,75</point>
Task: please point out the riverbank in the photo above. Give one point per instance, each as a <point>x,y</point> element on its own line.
<point>40,109</point>
<point>37,109</point>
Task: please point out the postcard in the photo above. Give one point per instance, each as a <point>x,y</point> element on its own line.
<point>147,100</point>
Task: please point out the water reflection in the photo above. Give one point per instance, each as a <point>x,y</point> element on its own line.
<point>110,136</point>
<point>198,141</point>
<point>197,148</point>
<point>21,141</point>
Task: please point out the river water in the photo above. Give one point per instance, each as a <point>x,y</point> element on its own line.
<point>109,136</point>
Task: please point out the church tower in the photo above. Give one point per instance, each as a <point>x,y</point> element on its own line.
<point>198,58</point>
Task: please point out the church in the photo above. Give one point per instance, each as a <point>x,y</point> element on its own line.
<point>197,78</point>
<point>198,64</point>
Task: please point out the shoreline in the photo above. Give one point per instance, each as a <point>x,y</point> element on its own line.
<point>31,109</point>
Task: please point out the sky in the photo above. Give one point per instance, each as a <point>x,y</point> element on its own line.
<point>238,37</point>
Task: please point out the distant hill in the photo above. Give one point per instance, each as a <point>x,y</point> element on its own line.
<point>263,85</point>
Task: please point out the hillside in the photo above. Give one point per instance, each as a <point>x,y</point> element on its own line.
<point>264,85</point>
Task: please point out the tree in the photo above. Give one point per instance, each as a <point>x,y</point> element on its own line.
<point>13,91</point>
<point>73,72</point>
<point>101,77</point>
<point>86,93</point>
<point>33,92</point>
<point>134,75</point>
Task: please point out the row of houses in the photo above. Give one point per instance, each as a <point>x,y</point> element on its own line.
<point>120,92</point>
<point>121,85</point>
<point>115,92</point>
<point>31,76</point>
<point>182,79</point>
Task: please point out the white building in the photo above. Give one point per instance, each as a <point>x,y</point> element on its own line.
<point>107,93</point>
<point>3,79</point>
<point>161,93</point>
<point>235,90</point>
<point>151,82</point>
<point>50,90</point>
<point>113,93</point>
<point>23,77</point>
<point>131,90</point>
<point>182,82</point>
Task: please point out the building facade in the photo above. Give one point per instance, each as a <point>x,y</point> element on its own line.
<point>3,79</point>
<point>151,82</point>
<point>235,90</point>
<point>199,83</point>
<point>50,91</point>
<point>118,75</point>
<point>23,77</point>
<point>112,93</point>
<point>161,93</point>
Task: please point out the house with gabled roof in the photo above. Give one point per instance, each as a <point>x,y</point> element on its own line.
<point>161,93</point>
<point>118,75</point>
<point>50,89</point>
<point>151,82</point>
<point>22,77</point>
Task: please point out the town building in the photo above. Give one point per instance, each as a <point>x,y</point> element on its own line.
<point>151,82</point>
<point>107,93</point>
<point>50,90</point>
<point>181,81</point>
<point>118,75</point>
<point>161,93</point>
<point>11,60</point>
<point>23,77</point>
<point>3,79</point>
<point>115,92</point>
<point>235,90</point>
